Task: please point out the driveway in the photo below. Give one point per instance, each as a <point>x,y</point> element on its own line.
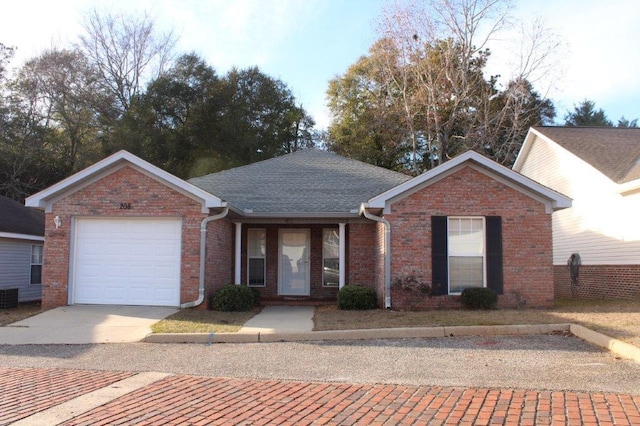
<point>83,324</point>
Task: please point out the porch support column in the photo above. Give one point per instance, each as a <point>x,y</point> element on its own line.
<point>238,256</point>
<point>342,267</point>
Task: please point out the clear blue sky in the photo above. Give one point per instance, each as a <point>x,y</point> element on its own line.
<point>307,42</point>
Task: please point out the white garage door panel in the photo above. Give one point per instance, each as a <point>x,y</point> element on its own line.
<point>127,261</point>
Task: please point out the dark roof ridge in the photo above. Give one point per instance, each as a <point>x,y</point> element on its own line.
<point>295,153</point>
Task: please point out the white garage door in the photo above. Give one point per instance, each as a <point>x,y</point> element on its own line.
<point>127,262</point>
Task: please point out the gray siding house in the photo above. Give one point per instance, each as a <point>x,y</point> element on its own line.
<point>21,241</point>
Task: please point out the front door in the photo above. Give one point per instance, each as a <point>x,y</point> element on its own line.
<point>293,262</point>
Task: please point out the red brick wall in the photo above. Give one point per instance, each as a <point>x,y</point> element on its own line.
<point>361,254</point>
<point>220,252</point>
<point>526,237</point>
<point>148,198</point>
<point>599,282</point>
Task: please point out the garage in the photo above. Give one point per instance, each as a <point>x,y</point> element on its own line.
<point>127,261</point>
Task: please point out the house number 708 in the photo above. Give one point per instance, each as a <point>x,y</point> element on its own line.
<point>125,206</point>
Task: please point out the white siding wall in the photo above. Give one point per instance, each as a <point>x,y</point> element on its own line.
<point>15,268</point>
<point>602,226</point>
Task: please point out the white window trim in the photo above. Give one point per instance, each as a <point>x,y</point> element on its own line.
<point>31,264</point>
<point>484,252</point>
<point>264,284</point>
<point>323,259</point>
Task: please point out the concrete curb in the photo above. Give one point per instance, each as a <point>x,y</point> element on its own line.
<point>363,334</point>
<point>625,350</point>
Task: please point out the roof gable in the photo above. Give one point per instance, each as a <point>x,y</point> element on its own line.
<point>552,199</point>
<point>614,152</point>
<point>16,220</point>
<point>304,183</point>
<point>47,197</point>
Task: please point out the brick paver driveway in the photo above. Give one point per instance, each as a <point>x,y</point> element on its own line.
<point>182,399</point>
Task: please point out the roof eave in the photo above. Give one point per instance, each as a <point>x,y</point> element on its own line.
<point>44,198</point>
<point>15,236</point>
<point>526,147</point>
<point>629,187</point>
<point>300,215</point>
<point>553,200</point>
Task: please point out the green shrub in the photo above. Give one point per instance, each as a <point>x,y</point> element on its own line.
<point>256,296</point>
<point>357,297</point>
<point>479,298</point>
<point>232,298</point>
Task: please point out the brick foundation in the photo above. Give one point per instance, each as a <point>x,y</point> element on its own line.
<point>599,282</point>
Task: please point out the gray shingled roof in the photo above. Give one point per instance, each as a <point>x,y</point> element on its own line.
<point>304,182</point>
<point>15,218</point>
<point>613,151</point>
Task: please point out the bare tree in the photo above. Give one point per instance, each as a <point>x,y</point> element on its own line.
<point>435,55</point>
<point>58,92</point>
<point>127,51</point>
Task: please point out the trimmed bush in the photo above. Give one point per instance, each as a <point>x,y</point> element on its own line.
<point>357,297</point>
<point>479,298</point>
<point>232,298</point>
<point>256,296</point>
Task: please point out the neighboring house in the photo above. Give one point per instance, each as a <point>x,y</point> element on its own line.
<point>599,168</point>
<point>298,227</point>
<point>21,243</point>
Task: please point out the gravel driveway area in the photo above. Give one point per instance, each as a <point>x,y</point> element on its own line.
<point>541,362</point>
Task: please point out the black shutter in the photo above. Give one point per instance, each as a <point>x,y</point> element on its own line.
<point>439,255</point>
<point>494,254</point>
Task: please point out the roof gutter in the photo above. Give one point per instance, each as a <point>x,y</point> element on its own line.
<point>203,256</point>
<point>387,252</point>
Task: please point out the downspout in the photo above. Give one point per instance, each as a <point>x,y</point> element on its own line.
<point>387,252</point>
<point>203,256</point>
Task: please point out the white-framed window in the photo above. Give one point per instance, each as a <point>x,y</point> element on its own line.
<point>36,264</point>
<point>330,257</point>
<point>256,257</point>
<point>467,253</point>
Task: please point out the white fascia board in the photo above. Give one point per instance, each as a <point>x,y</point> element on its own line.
<point>21,236</point>
<point>43,198</point>
<point>557,201</point>
<point>299,215</point>
<point>526,147</point>
<point>629,187</point>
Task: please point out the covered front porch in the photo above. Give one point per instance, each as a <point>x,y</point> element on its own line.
<point>305,261</point>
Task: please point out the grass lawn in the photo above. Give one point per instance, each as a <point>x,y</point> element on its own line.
<point>615,318</point>
<point>203,321</point>
<point>24,310</point>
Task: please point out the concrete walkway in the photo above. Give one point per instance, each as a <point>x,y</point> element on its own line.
<point>274,319</point>
<point>82,324</point>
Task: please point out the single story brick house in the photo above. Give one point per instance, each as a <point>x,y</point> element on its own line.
<point>599,236</point>
<point>297,227</point>
<point>21,244</point>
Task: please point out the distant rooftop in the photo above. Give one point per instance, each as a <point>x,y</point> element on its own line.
<point>615,152</point>
<point>15,218</point>
<point>304,182</point>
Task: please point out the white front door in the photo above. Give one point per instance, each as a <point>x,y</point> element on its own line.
<point>293,262</point>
